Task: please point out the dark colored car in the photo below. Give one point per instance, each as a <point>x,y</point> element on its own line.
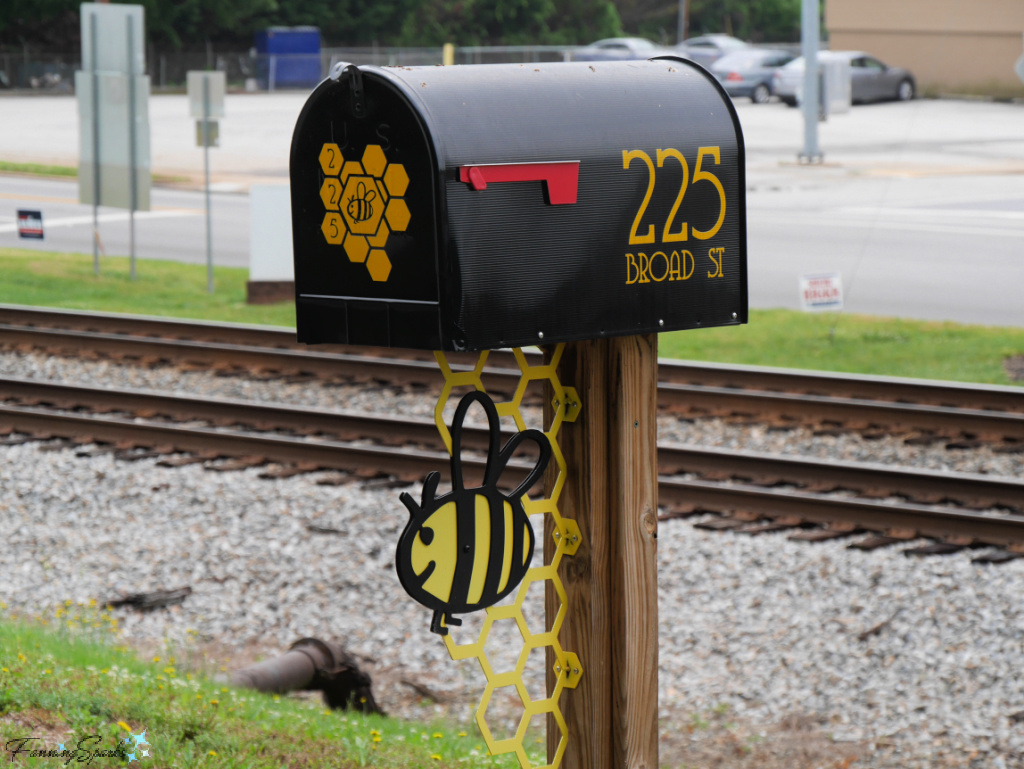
<point>619,49</point>
<point>707,49</point>
<point>748,72</point>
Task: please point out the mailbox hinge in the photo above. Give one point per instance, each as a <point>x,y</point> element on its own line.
<point>355,76</point>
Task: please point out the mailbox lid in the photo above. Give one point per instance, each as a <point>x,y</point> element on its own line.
<point>657,152</point>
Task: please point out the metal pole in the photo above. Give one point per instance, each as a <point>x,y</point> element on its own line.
<point>206,166</point>
<point>681,22</point>
<point>132,181</point>
<point>810,33</point>
<point>95,149</point>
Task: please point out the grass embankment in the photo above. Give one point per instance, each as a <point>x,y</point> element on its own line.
<point>828,342</point>
<point>37,169</point>
<point>42,169</point>
<point>65,684</point>
<point>43,278</point>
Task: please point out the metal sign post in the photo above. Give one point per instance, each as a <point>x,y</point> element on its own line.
<point>113,106</point>
<point>133,185</point>
<point>810,32</point>
<point>96,153</point>
<point>206,101</point>
<point>206,174</point>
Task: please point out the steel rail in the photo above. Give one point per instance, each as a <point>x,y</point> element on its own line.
<point>676,397</point>
<point>405,462</point>
<point>963,488</point>
<point>939,523</point>
<point>908,416</point>
<point>412,464</point>
<point>865,478</point>
<point>728,377</point>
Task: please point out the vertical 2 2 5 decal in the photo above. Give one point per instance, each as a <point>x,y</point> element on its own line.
<point>640,268</point>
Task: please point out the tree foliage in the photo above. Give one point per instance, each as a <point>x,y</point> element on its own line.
<point>753,20</point>
<point>190,24</point>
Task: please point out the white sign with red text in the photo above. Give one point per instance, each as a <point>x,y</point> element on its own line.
<point>821,292</point>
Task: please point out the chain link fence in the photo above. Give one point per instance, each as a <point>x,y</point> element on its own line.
<point>55,73</point>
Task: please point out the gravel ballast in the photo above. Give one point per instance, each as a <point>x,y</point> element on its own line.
<point>895,661</point>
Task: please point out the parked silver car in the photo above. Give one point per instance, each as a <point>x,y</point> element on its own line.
<point>748,72</point>
<point>707,49</point>
<point>870,79</point>
<point>619,49</point>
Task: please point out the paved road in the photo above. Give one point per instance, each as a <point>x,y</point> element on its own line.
<point>919,206</point>
<point>174,228</point>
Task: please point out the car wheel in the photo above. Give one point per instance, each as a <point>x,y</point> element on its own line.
<point>761,94</point>
<point>905,92</point>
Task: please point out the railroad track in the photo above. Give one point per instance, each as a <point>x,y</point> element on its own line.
<point>929,411</point>
<point>743,486</point>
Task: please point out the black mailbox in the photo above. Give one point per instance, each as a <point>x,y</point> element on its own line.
<point>475,207</point>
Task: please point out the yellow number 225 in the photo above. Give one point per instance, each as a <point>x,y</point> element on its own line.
<point>699,174</point>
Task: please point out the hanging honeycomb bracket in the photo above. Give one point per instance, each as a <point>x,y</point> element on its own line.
<point>566,407</point>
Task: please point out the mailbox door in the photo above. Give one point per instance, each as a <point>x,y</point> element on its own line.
<point>364,229</point>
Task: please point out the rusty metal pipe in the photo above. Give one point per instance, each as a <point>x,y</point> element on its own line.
<point>313,665</point>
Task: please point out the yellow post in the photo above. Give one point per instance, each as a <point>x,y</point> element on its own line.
<point>448,54</point>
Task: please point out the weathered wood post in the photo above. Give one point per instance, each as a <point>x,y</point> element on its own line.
<point>612,493</point>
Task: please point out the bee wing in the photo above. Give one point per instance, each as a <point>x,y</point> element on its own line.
<point>538,469</point>
<point>491,473</point>
<point>370,195</point>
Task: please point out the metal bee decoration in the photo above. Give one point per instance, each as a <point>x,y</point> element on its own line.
<point>467,549</point>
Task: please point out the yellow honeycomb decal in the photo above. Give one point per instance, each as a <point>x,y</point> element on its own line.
<point>567,668</point>
<point>363,201</point>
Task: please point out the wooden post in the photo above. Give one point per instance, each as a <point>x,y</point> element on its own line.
<point>611,492</point>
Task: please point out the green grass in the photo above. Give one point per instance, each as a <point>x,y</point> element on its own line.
<point>857,344</point>
<point>62,682</point>
<point>37,168</point>
<point>42,278</point>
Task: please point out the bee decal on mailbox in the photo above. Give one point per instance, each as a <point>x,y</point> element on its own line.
<point>360,206</point>
<point>469,548</point>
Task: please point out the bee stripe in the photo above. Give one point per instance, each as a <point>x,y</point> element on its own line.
<point>506,559</point>
<point>482,549</point>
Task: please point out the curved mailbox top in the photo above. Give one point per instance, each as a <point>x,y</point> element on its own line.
<point>474,207</point>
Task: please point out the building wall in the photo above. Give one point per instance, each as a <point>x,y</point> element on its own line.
<point>949,45</point>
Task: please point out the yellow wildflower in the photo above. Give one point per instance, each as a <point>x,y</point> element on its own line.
<point>124,726</point>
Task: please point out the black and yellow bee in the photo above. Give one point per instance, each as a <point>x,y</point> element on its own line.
<point>469,548</point>
<point>359,207</point>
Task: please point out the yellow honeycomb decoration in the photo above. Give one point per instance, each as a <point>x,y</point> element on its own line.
<point>568,669</point>
<point>364,205</point>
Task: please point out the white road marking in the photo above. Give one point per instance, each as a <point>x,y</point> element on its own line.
<point>117,216</point>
